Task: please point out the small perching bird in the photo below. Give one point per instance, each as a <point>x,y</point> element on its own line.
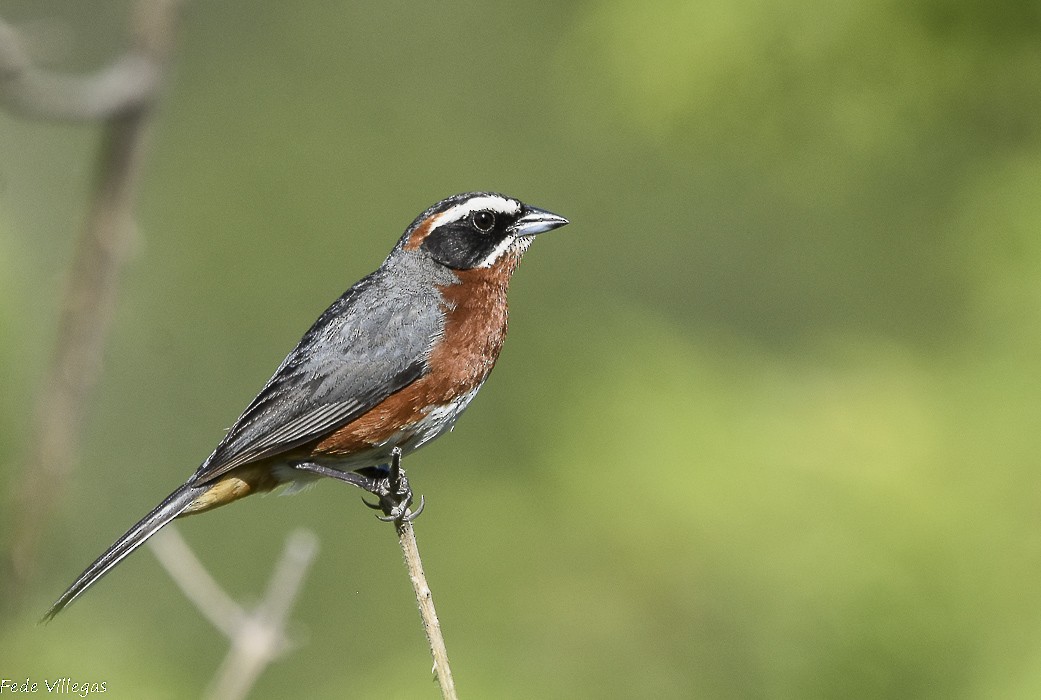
<point>388,367</point>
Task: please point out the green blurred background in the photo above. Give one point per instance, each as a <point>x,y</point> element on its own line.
<point>766,424</point>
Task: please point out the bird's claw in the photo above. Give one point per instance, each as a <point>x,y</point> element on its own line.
<point>391,488</point>
<point>402,512</point>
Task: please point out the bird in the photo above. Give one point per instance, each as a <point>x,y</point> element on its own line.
<point>387,368</point>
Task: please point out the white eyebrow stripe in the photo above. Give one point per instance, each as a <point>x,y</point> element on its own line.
<point>459,212</point>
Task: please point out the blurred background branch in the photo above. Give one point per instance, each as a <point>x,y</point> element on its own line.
<point>129,83</point>
<point>180,562</point>
<point>122,96</point>
<point>258,636</point>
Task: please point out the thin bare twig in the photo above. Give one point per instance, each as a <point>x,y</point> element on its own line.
<point>425,599</point>
<point>122,96</point>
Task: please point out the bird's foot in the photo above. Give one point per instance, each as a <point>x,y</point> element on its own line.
<point>387,483</point>
<point>390,485</point>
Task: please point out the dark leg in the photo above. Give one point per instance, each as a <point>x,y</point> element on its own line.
<point>388,484</point>
<point>354,478</point>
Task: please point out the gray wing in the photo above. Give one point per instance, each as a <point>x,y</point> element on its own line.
<point>372,342</point>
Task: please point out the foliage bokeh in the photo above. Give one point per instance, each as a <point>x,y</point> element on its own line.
<point>765,424</point>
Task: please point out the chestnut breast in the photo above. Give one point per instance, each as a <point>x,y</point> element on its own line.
<point>460,360</point>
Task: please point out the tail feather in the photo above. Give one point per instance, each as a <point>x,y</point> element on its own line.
<point>172,506</point>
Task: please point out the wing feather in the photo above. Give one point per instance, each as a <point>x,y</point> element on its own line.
<point>372,342</point>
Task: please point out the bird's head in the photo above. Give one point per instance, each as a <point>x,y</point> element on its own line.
<point>477,230</point>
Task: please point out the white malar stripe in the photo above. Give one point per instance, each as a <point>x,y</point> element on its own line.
<point>501,205</point>
<point>517,245</point>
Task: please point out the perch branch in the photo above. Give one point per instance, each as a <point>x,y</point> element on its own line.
<point>425,599</point>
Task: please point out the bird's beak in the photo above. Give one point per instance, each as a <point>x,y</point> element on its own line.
<point>536,221</point>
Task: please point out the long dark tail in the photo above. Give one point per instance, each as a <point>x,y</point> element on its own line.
<point>172,506</point>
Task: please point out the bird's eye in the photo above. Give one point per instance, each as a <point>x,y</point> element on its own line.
<point>483,221</point>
